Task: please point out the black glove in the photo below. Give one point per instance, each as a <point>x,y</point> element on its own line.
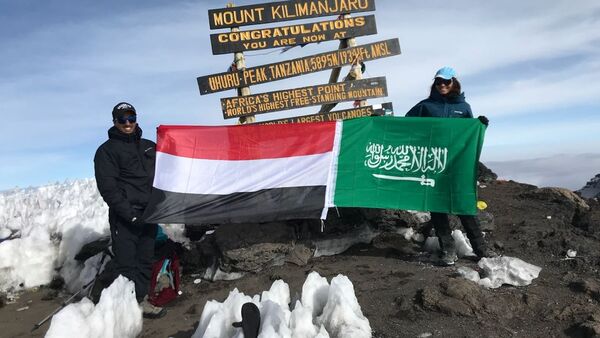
<point>137,218</point>
<point>484,120</point>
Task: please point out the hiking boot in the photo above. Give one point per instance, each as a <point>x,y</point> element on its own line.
<point>447,258</point>
<point>151,311</point>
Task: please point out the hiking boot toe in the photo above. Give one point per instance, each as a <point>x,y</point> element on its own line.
<point>448,258</point>
<point>151,311</point>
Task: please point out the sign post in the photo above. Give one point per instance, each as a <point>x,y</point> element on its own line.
<point>345,28</point>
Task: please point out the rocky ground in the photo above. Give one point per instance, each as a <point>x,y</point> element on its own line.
<point>401,290</point>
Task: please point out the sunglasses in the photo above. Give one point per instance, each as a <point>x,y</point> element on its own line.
<point>124,119</point>
<point>439,81</point>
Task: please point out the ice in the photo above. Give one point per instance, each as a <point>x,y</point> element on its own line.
<point>508,270</point>
<point>117,314</point>
<point>322,311</point>
<point>176,233</point>
<point>463,246</point>
<point>461,242</point>
<point>468,273</point>
<point>335,246</point>
<point>216,318</point>
<point>53,222</point>
<point>432,244</point>
<point>301,323</point>
<point>502,270</point>
<point>314,293</point>
<point>342,316</point>
<point>407,233</point>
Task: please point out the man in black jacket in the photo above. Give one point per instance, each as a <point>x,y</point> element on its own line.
<point>124,168</point>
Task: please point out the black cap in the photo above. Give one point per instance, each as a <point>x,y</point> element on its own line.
<point>121,108</point>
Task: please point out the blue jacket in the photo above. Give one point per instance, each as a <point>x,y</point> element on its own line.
<point>437,105</point>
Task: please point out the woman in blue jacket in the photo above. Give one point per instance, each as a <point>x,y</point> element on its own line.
<point>447,100</point>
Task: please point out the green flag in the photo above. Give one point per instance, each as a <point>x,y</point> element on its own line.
<point>427,164</point>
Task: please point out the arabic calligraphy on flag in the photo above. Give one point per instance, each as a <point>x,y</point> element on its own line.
<point>427,164</point>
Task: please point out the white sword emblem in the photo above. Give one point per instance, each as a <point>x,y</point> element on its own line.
<point>424,181</point>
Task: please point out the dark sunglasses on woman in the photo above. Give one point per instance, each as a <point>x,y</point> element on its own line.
<point>439,81</point>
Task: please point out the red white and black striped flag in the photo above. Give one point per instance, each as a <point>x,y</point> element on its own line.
<point>233,174</point>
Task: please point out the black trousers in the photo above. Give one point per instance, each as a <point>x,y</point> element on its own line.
<point>133,249</point>
<point>441,224</point>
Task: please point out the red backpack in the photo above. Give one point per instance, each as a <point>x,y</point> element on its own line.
<point>165,279</point>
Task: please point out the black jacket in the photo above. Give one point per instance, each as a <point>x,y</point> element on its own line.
<point>124,167</point>
<point>437,105</point>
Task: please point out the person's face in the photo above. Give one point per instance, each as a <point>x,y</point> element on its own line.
<point>443,86</point>
<point>126,123</point>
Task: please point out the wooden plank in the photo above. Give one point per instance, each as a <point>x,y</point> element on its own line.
<point>229,42</point>
<point>295,67</point>
<point>284,11</point>
<point>373,110</point>
<point>303,97</point>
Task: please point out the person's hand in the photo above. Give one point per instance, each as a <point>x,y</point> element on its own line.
<point>484,120</point>
<point>136,221</point>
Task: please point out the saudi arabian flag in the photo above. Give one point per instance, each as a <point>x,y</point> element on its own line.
<point>261,173</point>
<point>426,164</point>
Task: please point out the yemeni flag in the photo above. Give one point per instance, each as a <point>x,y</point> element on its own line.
<point>235,174</point>
<point>260,173</point>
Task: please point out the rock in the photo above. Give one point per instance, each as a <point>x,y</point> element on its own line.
<point>340,220</point>
<point>300,254</point>
<point>195,231</point>
<point>201,255</point>
<point>3,300</point>
<point>499,245</point>
<point>257,246</point>
<point>484,174</point>
<point>461,297</point>
<point>57,283</point>
<point>195,309</point>
<point>589,286</point>
<point>50,295</point>
<point>589,329</point>
<point>455,297</point>
<point>591,188</point>
<point>486,221</point>
<point>558,195</point>
<point>395,242</point>
<point>390,219</point>
<point>590,220</point>
<point>565,206</point>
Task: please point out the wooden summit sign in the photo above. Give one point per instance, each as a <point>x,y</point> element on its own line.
<point>352,113</point>
<point>295,67</point>
<point>240,41</point>
<point>238,106</point>
<point>284,11</point>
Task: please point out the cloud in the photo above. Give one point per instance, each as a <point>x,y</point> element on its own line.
<point>570,171</point>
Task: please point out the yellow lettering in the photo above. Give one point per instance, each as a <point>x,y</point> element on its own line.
<point>339,35</point>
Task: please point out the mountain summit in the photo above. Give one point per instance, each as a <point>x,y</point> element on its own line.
<point>592,188</point>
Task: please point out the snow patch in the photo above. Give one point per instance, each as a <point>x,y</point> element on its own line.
<point>52,223</point>
<point>502,270</point>
<point>117,314</point>
<point>323,310</point>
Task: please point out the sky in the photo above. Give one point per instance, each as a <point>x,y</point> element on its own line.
<point>533,68</point>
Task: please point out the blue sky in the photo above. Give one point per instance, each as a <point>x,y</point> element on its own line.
<point>532,68</point>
